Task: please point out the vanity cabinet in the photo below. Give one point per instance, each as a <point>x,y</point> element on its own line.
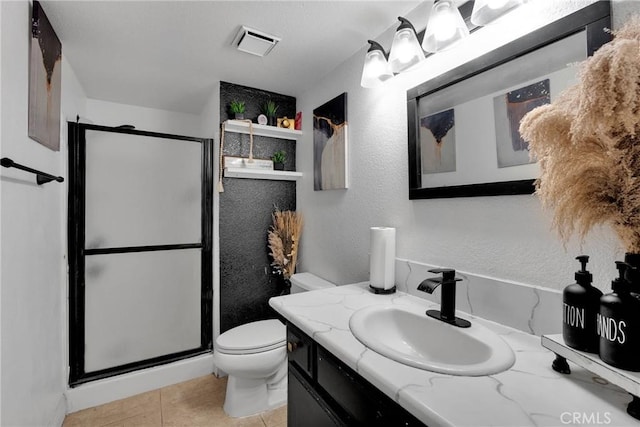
<point>325,392</point>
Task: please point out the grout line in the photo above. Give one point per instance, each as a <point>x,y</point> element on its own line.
<point>161,409</point>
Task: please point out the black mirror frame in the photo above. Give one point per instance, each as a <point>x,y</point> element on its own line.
<point>595,19</point>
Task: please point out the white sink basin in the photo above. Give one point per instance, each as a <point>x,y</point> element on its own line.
<point>407,335</point>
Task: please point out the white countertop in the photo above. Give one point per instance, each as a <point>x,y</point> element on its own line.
<point>528,394</point>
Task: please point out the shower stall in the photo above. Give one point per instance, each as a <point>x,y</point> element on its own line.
<point>140,249</point>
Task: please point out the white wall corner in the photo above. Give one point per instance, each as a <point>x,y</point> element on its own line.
<point>60,412</point>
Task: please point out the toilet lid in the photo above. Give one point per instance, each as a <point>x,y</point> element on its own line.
<point>253,337</point>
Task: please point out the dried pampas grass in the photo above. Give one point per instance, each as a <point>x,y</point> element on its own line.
<point>284,237</point>
<point>587,144</point>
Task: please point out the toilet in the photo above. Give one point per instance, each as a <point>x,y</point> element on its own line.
<point>254,356</point>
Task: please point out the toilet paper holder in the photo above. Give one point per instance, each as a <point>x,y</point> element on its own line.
<point>382,291</point>
<point>382,258</point>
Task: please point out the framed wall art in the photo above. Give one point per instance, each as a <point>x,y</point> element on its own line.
<point>463,125</point>
<point>45,75</point>
<point>330,149</point>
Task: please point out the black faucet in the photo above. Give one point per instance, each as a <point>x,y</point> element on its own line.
<point>447,312</point>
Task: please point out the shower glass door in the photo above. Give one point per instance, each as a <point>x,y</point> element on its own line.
<point>140,249</point>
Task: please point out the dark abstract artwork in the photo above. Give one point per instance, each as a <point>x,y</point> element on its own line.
<point>509,109</point>
<point>45,77</point>
<point>438,142</point>
<point>330,145</point>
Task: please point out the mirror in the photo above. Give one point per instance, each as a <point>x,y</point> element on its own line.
<point>463,125</point>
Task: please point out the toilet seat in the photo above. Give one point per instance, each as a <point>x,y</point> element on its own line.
<point>254,337</point>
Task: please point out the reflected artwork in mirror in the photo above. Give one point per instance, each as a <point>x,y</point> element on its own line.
<point>463,135</point>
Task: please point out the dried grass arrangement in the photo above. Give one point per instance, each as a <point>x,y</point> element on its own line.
<point>587,144</point>
<point>284,238</point>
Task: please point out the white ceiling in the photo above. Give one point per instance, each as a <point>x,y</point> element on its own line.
<point>171,54</point>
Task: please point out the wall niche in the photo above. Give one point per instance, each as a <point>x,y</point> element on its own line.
<point>246,205</point>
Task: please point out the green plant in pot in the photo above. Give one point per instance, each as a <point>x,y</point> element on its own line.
<point>279,157</point>
<point>238,109</point>
<point>270,109</point>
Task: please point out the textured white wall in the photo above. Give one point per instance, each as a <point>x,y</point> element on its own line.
<point>210,123</point>
<point>33,242</point>
<point>504,237</point>
<point>107,113</point>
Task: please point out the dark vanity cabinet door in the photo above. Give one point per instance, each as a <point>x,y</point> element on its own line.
<point>306,408</point>
<point>367,405</point>
<point>323,391</point>
<point>301,350</point>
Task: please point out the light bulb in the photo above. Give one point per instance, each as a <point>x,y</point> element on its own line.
<point>445,27</point>
<point>485,11</point>
<point>376,68</point>
<point>405,50</point>
<point>403,46</point>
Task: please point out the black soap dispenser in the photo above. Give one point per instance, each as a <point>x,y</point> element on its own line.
<point>581,304</point>
<point>619,322</point>
<point>633,259</point>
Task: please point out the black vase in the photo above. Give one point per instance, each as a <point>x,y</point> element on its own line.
<point>285,285</point>
<point>278,166</point>
<point>271,120</point>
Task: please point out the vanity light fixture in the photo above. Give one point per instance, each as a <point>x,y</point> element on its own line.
<point>485,11</point>
<point>376,67</point>
<point>405,49</point>
<point>445,27</point>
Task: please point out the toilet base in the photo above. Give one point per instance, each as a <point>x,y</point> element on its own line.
<point>245,397</point>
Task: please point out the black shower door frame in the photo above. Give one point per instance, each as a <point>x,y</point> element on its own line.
<point>77,254</point>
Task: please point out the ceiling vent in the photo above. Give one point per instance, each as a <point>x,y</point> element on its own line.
<point>254,42</point>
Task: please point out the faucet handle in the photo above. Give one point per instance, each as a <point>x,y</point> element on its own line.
<point>448,274</point>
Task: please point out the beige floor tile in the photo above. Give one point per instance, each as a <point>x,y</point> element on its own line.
<point>117,411</point>
<point>276,417</point>
<point>194,403</point>
<point>199,413</point>
<point>208,385</point>
<point>151,419</point>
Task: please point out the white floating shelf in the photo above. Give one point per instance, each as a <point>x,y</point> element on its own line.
<point>239,126</point>
<point>627,380</point>
<point>262,174</point>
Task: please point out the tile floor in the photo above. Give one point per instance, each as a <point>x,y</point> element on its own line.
<point>193,403</point>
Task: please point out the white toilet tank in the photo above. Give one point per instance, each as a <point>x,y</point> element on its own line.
<point>302,282</point>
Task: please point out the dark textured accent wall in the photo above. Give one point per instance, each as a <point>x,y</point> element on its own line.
<point>253,99</point>
<point>246,205</point>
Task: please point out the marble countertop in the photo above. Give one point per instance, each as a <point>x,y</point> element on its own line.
<point>530,393</point>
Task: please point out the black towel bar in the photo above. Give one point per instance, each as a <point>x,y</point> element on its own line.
<point>41,177</point>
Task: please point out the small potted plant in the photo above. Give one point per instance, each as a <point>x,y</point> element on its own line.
<point>270,109</point>
<point>279,157</point>
<point>237,108</point>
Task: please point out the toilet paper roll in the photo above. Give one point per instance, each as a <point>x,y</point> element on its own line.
<point>382,257</point>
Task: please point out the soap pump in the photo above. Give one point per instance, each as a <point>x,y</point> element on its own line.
<point>618,322</point>
<point>581,304</point>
